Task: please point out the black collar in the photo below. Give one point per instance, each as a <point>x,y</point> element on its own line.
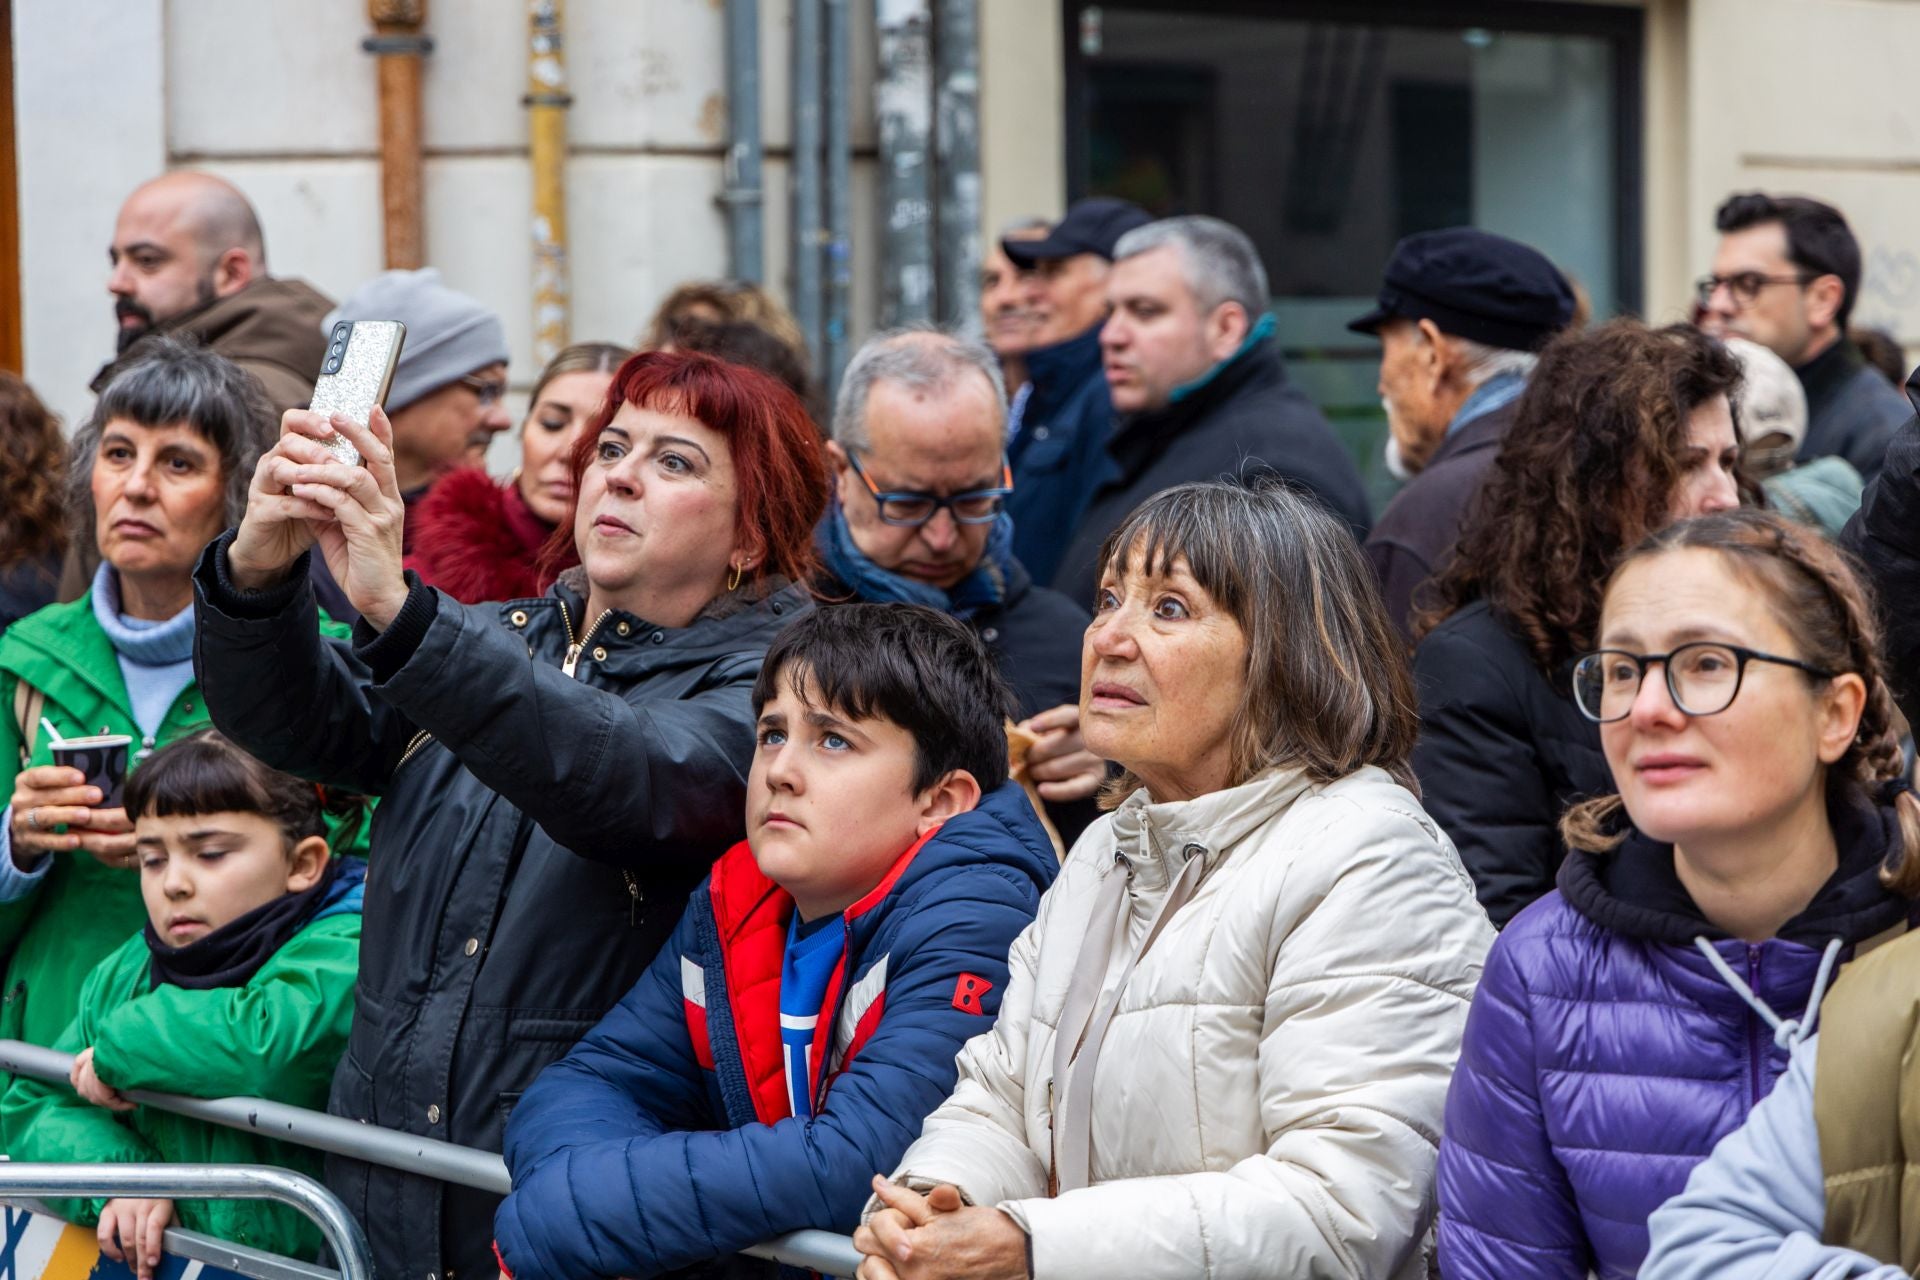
<point>1825,374</point>
<point>1635,890</point>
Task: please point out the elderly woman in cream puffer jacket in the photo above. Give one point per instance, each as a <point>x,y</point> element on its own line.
<point>1226,1041</point>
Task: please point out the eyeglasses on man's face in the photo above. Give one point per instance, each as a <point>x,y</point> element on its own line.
<point>910,508</point>
<point>489,391</point>
<point>1703,678</point>
<point>1745,286</point>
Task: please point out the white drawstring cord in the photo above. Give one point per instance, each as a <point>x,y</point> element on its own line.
<point>1787,1032</point>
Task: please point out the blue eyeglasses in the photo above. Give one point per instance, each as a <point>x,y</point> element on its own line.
<point>911,510</point>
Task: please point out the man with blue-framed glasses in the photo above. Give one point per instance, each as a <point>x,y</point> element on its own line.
<point>919,516</point>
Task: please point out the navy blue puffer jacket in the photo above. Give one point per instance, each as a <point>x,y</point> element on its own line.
<point>1605,1055</point>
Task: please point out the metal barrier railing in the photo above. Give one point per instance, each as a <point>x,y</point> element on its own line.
<point>821,1251</point>
<point>203,1182</point>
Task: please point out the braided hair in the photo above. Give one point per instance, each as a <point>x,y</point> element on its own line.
<point>1824,604</point>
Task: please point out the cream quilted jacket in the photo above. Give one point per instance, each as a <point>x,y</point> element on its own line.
<point>1269,1097</point>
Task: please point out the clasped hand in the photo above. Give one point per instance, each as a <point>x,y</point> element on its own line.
<point>938,1237</point>
<point>303,496</point>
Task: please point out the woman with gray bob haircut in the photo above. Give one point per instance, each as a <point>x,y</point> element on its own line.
<point>159,469</point>
<point>1226,1040</point>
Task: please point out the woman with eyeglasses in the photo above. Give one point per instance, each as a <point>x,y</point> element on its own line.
<point>1621,431</point>
<point>477,538</point>
<point>1633,1017</point>
<point>919,516</point>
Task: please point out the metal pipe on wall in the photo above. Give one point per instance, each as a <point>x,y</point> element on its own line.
<point>804,224</point>
<point>957,149</point>
<point>547,101</point>
<point>741,195</point>
<point>903,109</point>
<point>399,45</point>
<point>839,242</point>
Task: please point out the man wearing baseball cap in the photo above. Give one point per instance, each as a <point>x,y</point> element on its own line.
<point>1058,449</point>
<point>449,392</point>
<point>1461,316</point>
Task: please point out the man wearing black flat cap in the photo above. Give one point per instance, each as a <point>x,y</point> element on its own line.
<point>1461,316</point>
<point>1058,449</point>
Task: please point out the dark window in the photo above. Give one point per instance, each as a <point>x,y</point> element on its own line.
<point>1329,130</point>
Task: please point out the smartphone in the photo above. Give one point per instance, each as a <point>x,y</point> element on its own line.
<point>358,370</point>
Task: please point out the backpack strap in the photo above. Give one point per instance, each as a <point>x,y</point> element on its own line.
<point>28,702</point>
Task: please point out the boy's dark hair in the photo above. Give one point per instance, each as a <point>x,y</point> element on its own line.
<point>1818,237</point>
<point>205,773</point>
<point>915,666</point>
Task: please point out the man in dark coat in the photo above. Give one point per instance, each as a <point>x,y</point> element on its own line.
<point>189,260</point>
<point>1460,315</point>
<point>1885,535</point>
<point>1199,387</point>
<point>1058,449</point>
<point>1787,274</point>
<point>919,516</point>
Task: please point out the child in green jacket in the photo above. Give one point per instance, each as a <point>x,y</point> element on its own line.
<point>241,984</point>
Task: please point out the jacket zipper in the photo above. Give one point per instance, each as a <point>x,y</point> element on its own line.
<point>634,898</point>
<point>414,744</point>
<point>1755,1049</point>
<point>574,646</point>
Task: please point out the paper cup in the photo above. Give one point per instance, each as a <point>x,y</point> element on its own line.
<point>103,758</point>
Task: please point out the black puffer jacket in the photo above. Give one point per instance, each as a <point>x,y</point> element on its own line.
<point>1502,754</point>
<point>1246,422</point>
<point>536,839</point>
<point>1885,535</point>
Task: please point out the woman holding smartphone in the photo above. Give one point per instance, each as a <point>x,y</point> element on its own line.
<point>555,774</point>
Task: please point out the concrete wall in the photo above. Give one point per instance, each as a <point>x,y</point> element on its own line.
<point>280,99</point>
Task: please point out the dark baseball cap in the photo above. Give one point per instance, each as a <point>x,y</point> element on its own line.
<point>1474,285</point>
<point>1093,225</point>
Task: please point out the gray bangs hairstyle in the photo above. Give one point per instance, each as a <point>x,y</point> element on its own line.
<point>1327,683</point>
<point>176,382</point>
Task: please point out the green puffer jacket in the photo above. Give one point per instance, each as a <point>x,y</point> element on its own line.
<point>54,937</point>
<point>279,1037</point>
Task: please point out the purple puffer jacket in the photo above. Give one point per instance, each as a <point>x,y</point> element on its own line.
<point>1604,1055</point>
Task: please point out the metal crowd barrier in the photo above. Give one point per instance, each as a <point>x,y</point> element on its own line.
<point>202,1182</point>
<point>821,1251</point>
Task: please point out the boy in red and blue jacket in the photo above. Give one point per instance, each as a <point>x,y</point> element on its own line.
<point>786,1044</point>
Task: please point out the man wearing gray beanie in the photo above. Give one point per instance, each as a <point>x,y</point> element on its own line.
<point>449,392</point>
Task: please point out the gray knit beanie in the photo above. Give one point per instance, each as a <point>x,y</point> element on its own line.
<point>449,335</point>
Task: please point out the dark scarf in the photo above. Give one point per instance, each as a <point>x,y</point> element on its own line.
<point>984,588</point>
<point>233,953</point>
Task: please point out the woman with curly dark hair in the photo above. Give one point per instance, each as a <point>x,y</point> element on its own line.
<point>1622,430</point>
<point>33,530</point>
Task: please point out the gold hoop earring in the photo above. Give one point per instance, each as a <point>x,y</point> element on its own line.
<point>733,577</point>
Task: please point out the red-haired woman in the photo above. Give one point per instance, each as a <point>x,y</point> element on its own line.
<point>555,775</point>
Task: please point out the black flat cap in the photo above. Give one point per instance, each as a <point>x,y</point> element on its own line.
<point>1093,225</point>
<point>1474,285</point>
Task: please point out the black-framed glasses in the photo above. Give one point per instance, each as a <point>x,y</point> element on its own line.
<point>489,391</point>
<point>911,509</point>
<point>1703,678</point>
<point>1745,286</point>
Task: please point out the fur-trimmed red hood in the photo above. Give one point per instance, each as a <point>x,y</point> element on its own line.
<point>476,540</point>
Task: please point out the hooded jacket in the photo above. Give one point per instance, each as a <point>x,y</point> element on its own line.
<point>1268,1099</point>
<point>1243,420</point>
<point>1059,456</point>
<point>551,790</point>
<point>477,540</point>
<point>275,329</point>
<point>277,1036</point>
<point>1606,1054</point>
<point>666,1139</point>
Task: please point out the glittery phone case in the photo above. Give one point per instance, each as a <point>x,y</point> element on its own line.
<point>361,355</point>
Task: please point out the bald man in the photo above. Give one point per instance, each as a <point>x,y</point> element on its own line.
<point>189,259</point>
